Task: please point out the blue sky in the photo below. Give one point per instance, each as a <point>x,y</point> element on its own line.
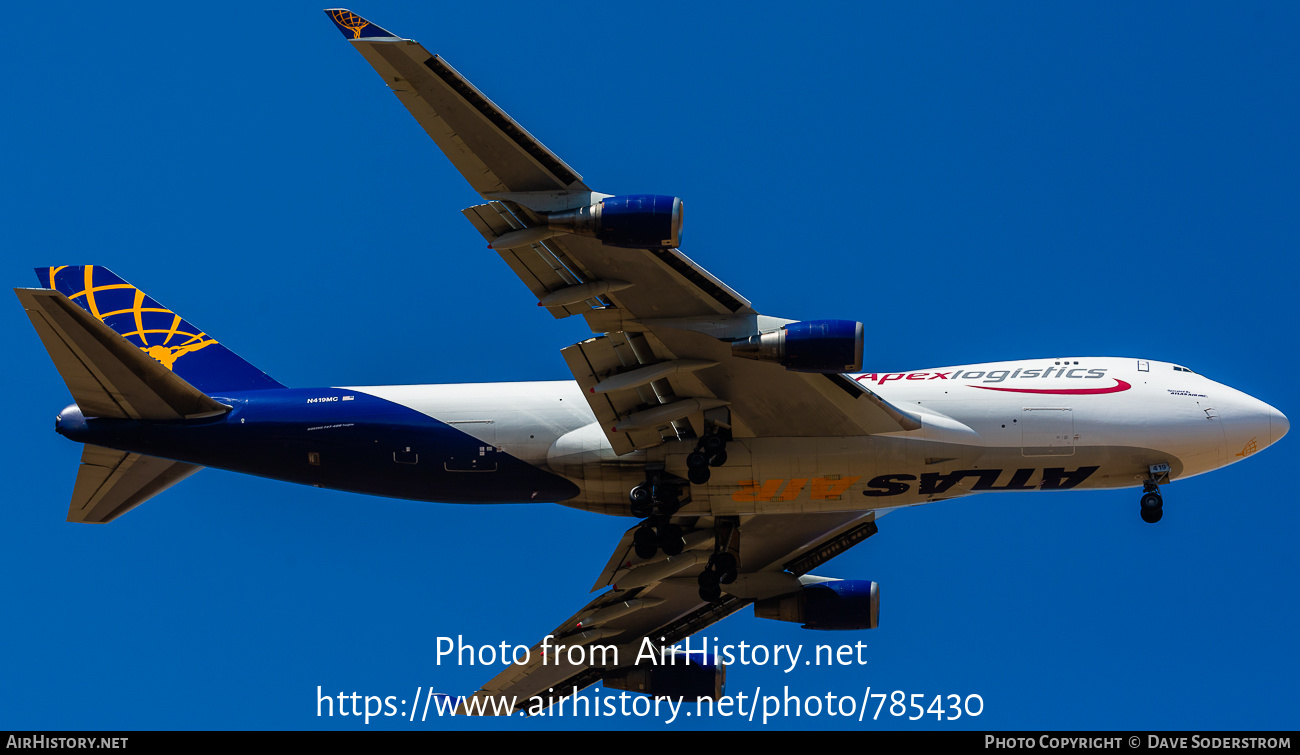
<point>975,182</point>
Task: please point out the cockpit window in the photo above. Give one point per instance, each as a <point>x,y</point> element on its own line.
<point>1182,369</point>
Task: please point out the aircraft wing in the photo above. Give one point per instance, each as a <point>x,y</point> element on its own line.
<point>494,153</point>
<point>649,600</point>
<point>662,356</point>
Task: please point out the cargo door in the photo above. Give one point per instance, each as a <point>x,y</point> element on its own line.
<point>1047,431</point>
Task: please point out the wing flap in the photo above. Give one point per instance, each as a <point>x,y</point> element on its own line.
<point>773,401</point>
<point>106,374</point>
<point>665,282</point>
<point>111,483</point>
<point>542,266</point>
<point>596,358</point>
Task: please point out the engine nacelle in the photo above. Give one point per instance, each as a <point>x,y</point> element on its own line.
<point>636,221</point>
<point>679,675</point>
<point>840,604</point>
<point>811,346</point>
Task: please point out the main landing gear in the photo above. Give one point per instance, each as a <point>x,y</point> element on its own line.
<point>656,500</point>
<point>723,566</point>
<point>1153,505</point>
<point>661,491</point>
<point>711,451</point>
<point>657,534</point>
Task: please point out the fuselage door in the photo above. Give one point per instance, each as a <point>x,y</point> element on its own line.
<point>1047,431</point>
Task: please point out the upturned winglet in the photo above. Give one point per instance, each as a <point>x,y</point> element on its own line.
<point>356,27</point>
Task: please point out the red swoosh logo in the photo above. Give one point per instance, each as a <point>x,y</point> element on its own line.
<point>1122,386</point>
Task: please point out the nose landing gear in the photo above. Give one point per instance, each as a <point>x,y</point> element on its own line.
<point>1152,503</point>
<point>1152,507</point>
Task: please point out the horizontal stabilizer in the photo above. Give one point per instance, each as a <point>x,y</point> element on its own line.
<point>106,374</point>
<point>111,483</point>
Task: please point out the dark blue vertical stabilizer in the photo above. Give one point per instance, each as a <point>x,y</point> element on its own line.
<point>190,353</point>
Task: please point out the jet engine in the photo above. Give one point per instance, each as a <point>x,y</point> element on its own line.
<point>833,605</point>
<point>679,675</point>
<point>811,346</point>
<point>636,221</point>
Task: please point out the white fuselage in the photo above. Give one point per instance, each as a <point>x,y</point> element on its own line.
<point>1041,424</point>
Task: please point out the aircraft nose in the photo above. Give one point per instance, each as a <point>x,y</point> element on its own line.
<point>1278,425</point>
<point>1249,425</point>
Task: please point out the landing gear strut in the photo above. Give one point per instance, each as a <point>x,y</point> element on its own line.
<point>723,566</point>
<point>1152,503</point>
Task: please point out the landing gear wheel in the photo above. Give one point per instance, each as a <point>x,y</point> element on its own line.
<point>1151,516</point>
<point>724,564</point>
<point>1152,501</point>
<point>697,468</point>
<point>670,540</point>
<point>645,542</point>
<point>718,459</point>
<point>642,503</point>
<point>709,589</point>
<point>713,444</point>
